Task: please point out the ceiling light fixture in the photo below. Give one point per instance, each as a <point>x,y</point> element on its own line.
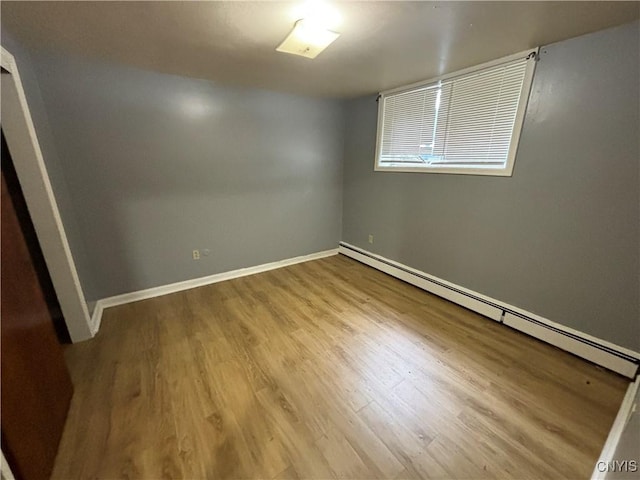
<point>313,31</point>
<point>307,39</point>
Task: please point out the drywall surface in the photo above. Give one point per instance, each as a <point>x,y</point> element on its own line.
<point>55,171</point>
<point>159,165</point>
<point>561,237</point>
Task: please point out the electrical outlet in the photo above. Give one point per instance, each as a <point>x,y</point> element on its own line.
<point>196,254</point>
<point>206,252</point>
<point>370,238</point>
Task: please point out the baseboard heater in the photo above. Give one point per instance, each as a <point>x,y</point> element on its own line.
<point>613,357</point>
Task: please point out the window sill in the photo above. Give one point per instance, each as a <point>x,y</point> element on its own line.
<point>498,172</point>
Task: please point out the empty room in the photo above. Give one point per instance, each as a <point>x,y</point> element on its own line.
<point>320,240</point>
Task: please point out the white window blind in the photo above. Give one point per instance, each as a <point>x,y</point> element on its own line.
<point>462,123</point>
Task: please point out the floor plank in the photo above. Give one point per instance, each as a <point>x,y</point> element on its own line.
<point>327,369</point>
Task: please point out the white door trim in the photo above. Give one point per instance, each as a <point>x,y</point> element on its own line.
<point>627,408</point>
<point>5,469</point>
<point>32,173</point>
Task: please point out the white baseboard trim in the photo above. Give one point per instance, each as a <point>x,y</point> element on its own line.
<point>606,354</point>
<point>96,318</point>
<point>617,429</point>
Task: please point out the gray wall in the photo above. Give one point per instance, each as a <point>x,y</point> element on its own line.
<point>159,165</point>
<point>55,171</point>
<point>561,237</point>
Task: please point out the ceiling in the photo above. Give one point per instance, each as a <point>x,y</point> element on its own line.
<point>383,44</point>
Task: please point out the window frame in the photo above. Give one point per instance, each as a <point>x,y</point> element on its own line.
<point>507,170</point>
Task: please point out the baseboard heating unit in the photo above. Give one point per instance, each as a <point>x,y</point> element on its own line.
<point>598,351</point>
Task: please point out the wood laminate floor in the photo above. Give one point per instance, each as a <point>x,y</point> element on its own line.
<point>326,369</point>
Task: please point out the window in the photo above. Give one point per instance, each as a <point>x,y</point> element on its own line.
<point>466,122</point>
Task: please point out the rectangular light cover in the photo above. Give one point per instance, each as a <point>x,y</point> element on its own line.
<point>307,40</point>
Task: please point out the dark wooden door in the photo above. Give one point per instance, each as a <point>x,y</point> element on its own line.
<point>36,387</point>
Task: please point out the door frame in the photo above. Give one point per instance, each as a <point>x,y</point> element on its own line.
<point>29,163</point>
<point>5,469</point>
